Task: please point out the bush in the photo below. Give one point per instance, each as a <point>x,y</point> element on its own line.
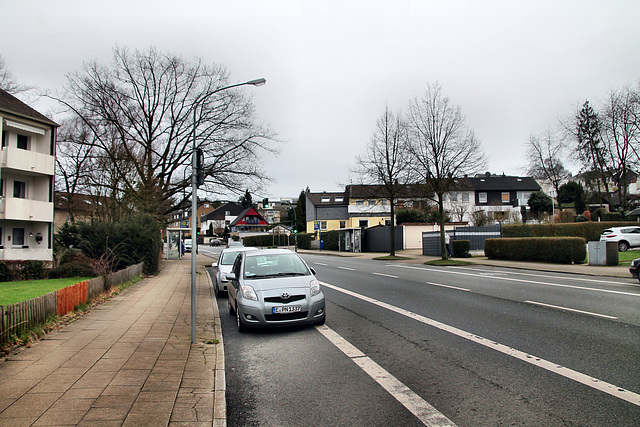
<point>6,275</point>
<point>590,230</point>
<point>560,250</point>
<point>461,248</point>
<point>71,269</point>
<point>34,270</point>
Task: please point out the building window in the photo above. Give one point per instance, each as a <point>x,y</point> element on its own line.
<point>23,142</point>
<point>359,202</point>
<point>343,224</point>
<point>4,138</point>
<point>465,197</point>
<point>372,202</point>
<point>505,197</point>
<point>20,189</point>
<point>227,213</point>
<point>339,199</point>
<point>385,202</point>
<point>18,237</point>
<point>482,197</point>
<point>325,199</point>
<point>453,197</point>
<point>363,223</point>
<point>323,225</point>
<point>523,197</point>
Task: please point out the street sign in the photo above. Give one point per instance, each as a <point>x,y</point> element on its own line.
<point>184,223</point>
<point>316,225</point>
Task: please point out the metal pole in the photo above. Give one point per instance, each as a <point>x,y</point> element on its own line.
<point>194,240</point>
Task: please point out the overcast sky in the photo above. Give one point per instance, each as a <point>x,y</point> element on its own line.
<point>514,67</point>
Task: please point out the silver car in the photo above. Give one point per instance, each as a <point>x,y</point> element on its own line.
<point>223,267</point>
<point>274,287</point>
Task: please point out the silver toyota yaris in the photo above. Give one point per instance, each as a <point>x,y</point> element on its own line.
<point>274,287</point>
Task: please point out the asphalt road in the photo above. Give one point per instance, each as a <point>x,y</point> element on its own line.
<point>413,345</point>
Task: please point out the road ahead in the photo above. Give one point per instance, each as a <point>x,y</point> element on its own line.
<point>412,345</point>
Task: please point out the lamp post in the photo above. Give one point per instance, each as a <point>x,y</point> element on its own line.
<point>194,200</point>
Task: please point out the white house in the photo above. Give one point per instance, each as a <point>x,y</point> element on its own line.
<point>27,160</point>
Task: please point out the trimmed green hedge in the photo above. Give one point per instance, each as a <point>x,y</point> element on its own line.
<point>559,250</point>
<point>590,231</point>
<point>304,240</point>
<point>460,248</point>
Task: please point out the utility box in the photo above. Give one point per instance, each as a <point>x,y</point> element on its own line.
<point>603,253</point>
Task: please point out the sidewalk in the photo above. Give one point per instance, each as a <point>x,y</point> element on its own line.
<point>128,362</point>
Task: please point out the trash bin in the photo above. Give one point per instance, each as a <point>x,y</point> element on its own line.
<point>321,244</point>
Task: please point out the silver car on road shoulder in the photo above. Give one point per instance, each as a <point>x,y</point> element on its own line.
<point>274,287</point>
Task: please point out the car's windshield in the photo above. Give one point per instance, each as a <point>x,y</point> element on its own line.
<point>260,266</point>
<point>228,258</point>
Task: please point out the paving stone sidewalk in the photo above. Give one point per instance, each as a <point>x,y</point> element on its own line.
<point>129,362</point>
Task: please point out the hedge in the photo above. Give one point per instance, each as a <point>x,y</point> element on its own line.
<point>304,240</point>
<point>461,248</point>
<point>590,231</point>
<point>559,250</point>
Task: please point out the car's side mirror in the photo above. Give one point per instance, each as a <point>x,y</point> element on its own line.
<point>231,276</point>
<point>312,271</point>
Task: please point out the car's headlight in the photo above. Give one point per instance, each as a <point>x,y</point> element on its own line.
<point>315,287</point>
<point>248,293</point>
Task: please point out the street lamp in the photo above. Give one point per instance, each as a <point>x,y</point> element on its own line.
<point>194,199</point>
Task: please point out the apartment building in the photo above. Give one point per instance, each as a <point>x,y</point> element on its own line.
<point>27,160</point>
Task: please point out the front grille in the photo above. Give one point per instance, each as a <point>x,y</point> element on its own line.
<point>280,300</point>
<point>286,316</point>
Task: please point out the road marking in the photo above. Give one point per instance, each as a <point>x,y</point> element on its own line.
<point>419,407</point>
<point>385,275</point>
<point>571,309</point>
<point>347,268</point>
<point>448,286</point>
<point>595,383</point>
<point>321,263</point>
<point>558,285</point>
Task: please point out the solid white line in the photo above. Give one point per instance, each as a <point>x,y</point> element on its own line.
<point>558,285</point>
<point>571,309</point>
<point>419,407</point>
<point>385,275</point>
<point>447,286</point>
<point>595,383</point>
<point>347,268</point>
<point>320,263</point>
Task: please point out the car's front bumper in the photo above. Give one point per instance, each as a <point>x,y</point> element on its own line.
<point>260,313</point>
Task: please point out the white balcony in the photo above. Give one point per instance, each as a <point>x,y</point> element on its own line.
<point>26,254</point>
<point>369,209</point>
<point>27,161</point>
<point>26,210</point>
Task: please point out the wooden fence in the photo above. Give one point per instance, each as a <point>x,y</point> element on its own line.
<point>19,317</point>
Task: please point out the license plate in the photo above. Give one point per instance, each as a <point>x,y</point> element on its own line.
<point>286,309</point>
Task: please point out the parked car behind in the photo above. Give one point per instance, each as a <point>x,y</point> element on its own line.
<point>626,237</point>
<point>274,287</point>
<point>634,268</point>
<point>223,267</point>
<point>187,245</point>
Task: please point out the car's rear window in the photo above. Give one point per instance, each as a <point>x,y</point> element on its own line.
<point>607,232</point>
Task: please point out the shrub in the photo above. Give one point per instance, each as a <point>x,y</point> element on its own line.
<point>590,231</point>
<point>461,248</point>
<point>71,269</point>
<point>34,270</point>
<point>561,250</point>
<point>6,274</point>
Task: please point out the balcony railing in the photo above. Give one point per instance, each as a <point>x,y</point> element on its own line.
<point>26,210</point>
<point>27,161</point>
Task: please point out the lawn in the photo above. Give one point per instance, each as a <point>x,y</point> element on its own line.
<point>625,258</point>
<point>13,292</point>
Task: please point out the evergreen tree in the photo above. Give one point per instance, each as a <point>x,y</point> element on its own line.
<point>246,201</point>
<point>590,146</point>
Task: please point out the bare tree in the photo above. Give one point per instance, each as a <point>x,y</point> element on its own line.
<point>544,155</point>
<point>442,147</point>
<point>621,137</point>
<point>140,112</point>
<point>387,161</point>
<point>8,81</point>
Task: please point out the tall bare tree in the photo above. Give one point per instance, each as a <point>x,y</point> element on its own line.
<point>387,161</point>
<point>544,155</point>
<point>8,81</point>
<point>140,111</point>
<point>442,147</point>
<point>621,136</point>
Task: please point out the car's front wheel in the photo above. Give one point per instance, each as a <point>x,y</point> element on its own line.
<point>241,326</point>
<point>623,246</point>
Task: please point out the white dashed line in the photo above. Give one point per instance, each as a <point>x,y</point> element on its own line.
<point>419,407</point>
<point>571,309</point>
<point>385,275</point>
